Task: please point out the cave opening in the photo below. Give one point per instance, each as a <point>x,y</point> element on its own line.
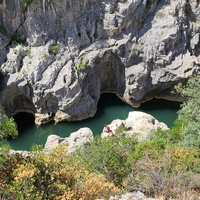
<point>24,120</point>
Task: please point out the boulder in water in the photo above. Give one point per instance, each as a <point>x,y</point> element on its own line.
<point>78,138</point>
<point>138,122</point>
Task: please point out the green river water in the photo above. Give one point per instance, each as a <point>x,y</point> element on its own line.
<point>110,107</point>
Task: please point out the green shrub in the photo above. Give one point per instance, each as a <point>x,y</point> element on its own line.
<point>18,38</point>
<point>80,65</point>
<point>189,113</point>
<point>43,56</point>
<point>55,48</point>
<point>121,130</point>
<point>109,156</point>
<point>28,53</point>
<point>7,127</point>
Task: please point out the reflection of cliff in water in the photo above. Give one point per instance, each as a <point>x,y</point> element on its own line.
<point>110,107</point>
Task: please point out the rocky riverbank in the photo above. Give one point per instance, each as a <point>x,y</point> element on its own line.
<point>138,123</point>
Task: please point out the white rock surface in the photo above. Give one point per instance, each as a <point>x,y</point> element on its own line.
<point>142,124</point>
<point>78,138</point>
<point>137,122</point>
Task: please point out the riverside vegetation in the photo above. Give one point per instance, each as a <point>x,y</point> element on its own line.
<point>166,165</point>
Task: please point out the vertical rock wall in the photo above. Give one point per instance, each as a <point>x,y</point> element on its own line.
<point>57,57</point>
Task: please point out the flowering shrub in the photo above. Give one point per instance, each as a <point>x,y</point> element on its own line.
<point>50,175</point>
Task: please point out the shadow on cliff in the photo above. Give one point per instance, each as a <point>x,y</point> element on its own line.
<point>24,121</point>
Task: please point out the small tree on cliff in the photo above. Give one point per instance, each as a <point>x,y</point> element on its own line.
<point>7,126</point>
<point>189,113</point>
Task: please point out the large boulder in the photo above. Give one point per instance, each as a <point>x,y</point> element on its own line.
<point>76,139</point>
<point>139,123</point>
<point>142,124</point>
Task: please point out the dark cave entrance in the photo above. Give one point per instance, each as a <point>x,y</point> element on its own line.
<point>24,120</point>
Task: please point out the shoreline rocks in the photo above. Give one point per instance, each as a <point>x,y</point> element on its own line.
<point>138,123</point>
<point>76,139</point>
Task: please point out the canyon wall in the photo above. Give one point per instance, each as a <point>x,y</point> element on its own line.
<point>58,57</point>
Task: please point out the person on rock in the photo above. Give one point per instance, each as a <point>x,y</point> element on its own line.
<point>108,130</point>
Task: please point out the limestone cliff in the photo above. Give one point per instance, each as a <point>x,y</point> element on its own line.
<point>58,56</point>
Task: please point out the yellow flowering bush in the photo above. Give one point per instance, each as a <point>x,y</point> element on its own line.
<point>54,174</point>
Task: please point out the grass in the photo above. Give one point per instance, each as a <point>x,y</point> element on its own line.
<point>80,65</point>
<point>160,14</point>
<point>28,53</point>
<point>43,56</point>
<point>55,48</point>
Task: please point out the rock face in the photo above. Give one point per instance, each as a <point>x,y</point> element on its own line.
<point>78,138</point>
<point>137,122</point>
<point>57,57</point>
<point>132,196</point>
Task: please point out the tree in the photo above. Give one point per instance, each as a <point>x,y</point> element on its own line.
<point>7,126</point>
<point>189,113</point>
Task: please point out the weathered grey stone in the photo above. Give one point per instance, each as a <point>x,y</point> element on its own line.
<point>142,124</point>
<point>80,138</point>
<point>76,139</point>
<point>132,196</point>
<point>139,123</point>
<point>76,50</point>
<point>53,141</point>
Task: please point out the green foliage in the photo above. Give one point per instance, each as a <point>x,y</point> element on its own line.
<point>7,127</point>
<point>28,53</point>
<point>49,175</point>
<point>80,65</point>
<point>189,113</point>
<point>43,56</point>
<point>136,47</point>
<point>55,48</point>
<point>120,130</point>
<point>26,3</point>
<point>109,156</point>
<point>3,30</point>
<point>18,38</point>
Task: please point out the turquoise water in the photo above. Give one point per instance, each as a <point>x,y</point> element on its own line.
<point>110,107</point>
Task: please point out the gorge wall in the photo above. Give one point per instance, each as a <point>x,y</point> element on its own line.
<point>57,57</point>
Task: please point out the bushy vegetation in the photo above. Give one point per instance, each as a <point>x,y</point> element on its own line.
<point>166,165</point>
<point>7,127</point>
<point>15,38</point>
<point>189,113</point>
<point>80,65</point>
<point>55,48</point>
<point>50,175</point>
